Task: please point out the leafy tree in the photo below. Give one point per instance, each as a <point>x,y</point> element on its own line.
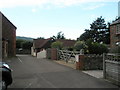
<point>27,45</point>
<point>99,32</point>
<point>57,45</point>
<point>80,45</point>
<point>95,47</point>
<point>40,38</point>
<point>19,43</point>
<point>60,35</point>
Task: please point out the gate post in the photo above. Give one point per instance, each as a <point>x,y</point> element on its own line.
<point>79,62</point>
<point>54,54</point>
<point>104,66</point>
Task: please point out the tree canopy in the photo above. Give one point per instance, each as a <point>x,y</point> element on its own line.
<point>99,32</point>
<point>60,35</point>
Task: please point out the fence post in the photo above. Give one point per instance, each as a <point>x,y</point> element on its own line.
<point>79,62</point>
<point>104,66</point>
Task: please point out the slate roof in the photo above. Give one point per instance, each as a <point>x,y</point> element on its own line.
<point>40,43</point>
<point>67,43</point>
<point>116,22</point>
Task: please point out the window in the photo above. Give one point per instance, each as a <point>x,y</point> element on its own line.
<point>118,29</point>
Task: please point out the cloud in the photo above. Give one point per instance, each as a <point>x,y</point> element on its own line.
<point>59,3</point>
<point>92,7</point>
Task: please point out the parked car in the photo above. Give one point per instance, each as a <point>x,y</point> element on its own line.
<point>6,76</point>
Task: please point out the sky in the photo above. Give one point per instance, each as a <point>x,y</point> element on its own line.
<point>45,18</point>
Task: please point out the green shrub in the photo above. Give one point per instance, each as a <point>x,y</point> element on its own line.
<point>80,45</point>
<point>96,48</point>
<point>57,45</point>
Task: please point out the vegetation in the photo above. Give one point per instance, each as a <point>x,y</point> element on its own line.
<point>40,38</point>
<point>60,35</point>
<point>57,45</point>
<point>20,43</point>
<point>96,48</point>
<point>80,45</point>
<point>99,32</point>
<point>91,47</point>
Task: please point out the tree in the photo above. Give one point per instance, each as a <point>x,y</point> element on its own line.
<point>95,47</point>
<point>27,45</point>
<point>57,45</point>
<point>19,43</point>
<point>60,35</point>
<point>99,32</point>
<point>80,45</point>
<point>40,38</point>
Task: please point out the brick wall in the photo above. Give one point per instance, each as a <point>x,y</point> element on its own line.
<point>54,54</point>
<point>0,36</point>
<point>113,36</point>
<point>9,34</point>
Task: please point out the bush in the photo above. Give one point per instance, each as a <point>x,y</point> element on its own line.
<point>57,45</point>
<point>27,45</point>
<point>68,48</point>
<point>99,48</point>
<point>96,48</point>
<point>80,45</point>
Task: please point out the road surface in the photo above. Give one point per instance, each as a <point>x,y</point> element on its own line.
<point>30,72</point>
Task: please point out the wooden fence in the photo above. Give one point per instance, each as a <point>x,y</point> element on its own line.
<point>68,55</point>
<point>111,67</point>
<point>90,61</point>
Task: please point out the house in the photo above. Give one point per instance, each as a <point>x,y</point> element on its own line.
<point>67,43</point>
<point>115,33</point>
<point>8,38</point>
<point>40,45</point>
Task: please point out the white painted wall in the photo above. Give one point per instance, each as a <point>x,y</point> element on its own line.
<point>41,54</point>
<point>32,52</point>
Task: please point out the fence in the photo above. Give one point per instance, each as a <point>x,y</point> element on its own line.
<point>90,61</point>
<point>68,55</point>
<point>111,67</point>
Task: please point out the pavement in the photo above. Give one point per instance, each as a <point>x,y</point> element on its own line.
<point>94,73</point>
<point>30,72</point>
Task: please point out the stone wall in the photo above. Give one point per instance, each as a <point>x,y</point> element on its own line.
<point>93,62</point>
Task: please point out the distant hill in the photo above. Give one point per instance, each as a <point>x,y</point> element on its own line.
<point>24,38</point>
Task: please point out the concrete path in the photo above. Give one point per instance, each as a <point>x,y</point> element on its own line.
<point>94,73</point>
<point>30,72</point>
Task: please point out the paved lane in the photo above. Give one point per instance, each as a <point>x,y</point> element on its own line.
<point>30,72</point>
